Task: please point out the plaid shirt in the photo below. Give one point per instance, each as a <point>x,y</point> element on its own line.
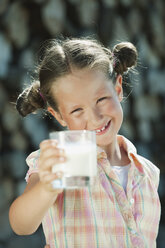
<point>104,216</point>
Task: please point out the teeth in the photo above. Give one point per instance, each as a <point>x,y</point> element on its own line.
<point>100,130</point>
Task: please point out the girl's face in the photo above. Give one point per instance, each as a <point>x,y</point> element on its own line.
<point>88,100</point>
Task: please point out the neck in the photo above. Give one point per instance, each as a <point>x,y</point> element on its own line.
<point>116,154</point>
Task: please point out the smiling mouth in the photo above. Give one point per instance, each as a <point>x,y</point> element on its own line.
<point>103,129</point>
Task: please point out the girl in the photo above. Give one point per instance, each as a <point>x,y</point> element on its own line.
<point>80,84</point>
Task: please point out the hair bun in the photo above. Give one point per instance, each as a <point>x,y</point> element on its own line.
<point>30,100</point>
<point>125,57</point>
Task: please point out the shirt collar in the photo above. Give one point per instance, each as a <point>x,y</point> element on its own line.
<point>129,148</point>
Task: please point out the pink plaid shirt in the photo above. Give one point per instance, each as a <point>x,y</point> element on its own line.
<point>105,216</point>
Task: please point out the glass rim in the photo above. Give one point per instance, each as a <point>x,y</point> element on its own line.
<point>73,131</point>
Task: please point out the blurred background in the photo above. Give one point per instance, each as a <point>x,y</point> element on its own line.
<point>24,26</point>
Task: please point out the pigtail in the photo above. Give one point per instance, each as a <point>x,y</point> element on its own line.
<point>124,57</point>
<point>30,100</point>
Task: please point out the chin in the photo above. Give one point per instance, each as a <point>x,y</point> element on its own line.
<point>106,141</point>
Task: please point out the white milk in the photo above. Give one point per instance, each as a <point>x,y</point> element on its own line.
<point>81,160</point>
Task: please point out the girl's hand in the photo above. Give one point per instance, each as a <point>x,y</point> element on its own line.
<point>50,155</point>
<point>46,246</point>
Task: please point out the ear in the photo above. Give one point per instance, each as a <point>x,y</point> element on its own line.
<point>119,88</point>
<point>57,116</point>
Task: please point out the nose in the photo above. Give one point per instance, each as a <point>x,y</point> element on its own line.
<point>94,118</point>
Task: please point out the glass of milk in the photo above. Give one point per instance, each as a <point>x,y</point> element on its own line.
<point>80,169</point>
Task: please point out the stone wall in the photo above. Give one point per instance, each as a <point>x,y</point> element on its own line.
<point>24,25</point>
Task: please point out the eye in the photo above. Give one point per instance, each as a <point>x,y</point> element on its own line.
<point>76,110</point>
<point>101,99</point>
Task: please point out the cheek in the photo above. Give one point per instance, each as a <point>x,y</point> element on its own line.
<point>75,123</point>
<point>119,112</point>
<point>114,109</point>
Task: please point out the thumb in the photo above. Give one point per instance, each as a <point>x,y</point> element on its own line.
<point>47,246</point>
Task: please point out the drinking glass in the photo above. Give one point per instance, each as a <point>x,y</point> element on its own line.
<point>80,168</point>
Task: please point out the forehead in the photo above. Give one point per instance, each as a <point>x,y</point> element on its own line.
<point>80,85</point>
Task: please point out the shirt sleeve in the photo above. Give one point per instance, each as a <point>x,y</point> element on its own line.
<point>32,162</point>
<point>153,172</point>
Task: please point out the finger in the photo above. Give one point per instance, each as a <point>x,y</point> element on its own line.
<point>48,178</point>
<point>47,164</point>
<point>49,151</point>
<point>48,142</point>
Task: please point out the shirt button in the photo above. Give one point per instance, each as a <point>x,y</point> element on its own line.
<point>132,201</point>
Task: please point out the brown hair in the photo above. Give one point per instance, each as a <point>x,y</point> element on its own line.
<point>61,57</point>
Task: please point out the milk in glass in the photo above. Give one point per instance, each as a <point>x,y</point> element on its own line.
<point>80,169</point>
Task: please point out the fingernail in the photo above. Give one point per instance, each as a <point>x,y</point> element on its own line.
<point>62,159</point>
<point>61,151</point>
<point>59,174</point>
<point>54,142</point>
